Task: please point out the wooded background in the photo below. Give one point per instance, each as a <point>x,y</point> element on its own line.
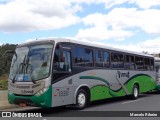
<point>5,61</point>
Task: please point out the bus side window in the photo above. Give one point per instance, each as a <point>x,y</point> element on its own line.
<point>79,56</point>
<point>139,63</point>
<point>98,58</point>
<point>88,57</point>
<point>146,64</point>
<point>151,64</point>
<point>106,59</point>
<point>129,62</point>
<point>83,57</point>
<point>132,62</point>
<point>117,60</point>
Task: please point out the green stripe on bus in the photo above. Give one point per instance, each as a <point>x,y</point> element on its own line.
<point>145,82</point>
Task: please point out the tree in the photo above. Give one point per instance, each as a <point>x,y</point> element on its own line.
<point>145,52</point>
<point>5,62</point>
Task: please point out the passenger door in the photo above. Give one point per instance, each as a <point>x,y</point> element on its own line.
<point>61,78</point>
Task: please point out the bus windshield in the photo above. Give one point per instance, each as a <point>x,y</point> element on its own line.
<point>31,63</point>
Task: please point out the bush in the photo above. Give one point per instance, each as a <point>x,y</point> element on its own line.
<point>3,84</point>
<point>4,77</point>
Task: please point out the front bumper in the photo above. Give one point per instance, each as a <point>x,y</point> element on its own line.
<point>44,100</point>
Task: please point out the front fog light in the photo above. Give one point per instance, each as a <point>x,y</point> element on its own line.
<point>42,91</point>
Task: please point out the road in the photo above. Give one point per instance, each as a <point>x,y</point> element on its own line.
<point>115,106</point>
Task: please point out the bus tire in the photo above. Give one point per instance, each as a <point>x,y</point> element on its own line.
<point>81,99</point>
<point>135,92</point>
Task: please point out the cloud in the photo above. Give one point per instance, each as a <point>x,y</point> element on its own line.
<point>120,23</point>
<point>4,1</point>
<point>151,46</point>
<point>101,33</point>
<point>144,4</point>
<point>132,18</point>
<point>111,3</point>
<point>29,15</point>
<point>29,40</point>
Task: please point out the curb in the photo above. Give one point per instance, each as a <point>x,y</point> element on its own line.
<point>18,109</point>
<point>8,107</point>
<point>5,105</point>
<point>3,95</point>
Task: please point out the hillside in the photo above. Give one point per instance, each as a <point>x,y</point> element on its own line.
<point>5,61</point>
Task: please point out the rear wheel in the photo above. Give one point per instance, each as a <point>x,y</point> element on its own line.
<point>81,99</point>
<point>135,92</point>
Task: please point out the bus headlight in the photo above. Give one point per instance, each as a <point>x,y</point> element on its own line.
<point>42,91</point>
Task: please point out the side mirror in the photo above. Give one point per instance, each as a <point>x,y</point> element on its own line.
<point>6,53</point>
<point>9,52</point>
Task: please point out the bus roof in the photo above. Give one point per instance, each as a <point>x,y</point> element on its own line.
<point>57,40</point>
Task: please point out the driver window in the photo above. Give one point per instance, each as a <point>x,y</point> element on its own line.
<point>62,61</point>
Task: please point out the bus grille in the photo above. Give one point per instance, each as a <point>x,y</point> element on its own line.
<point>24,100</point>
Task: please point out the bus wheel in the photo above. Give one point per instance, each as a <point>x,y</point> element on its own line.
<point>81,99</point>
<point>135,92</point>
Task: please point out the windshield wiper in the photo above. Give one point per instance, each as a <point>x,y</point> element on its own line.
<point>24,66</point>
<point>13,81</point>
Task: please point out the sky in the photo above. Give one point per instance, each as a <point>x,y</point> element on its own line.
<point>126,24</point>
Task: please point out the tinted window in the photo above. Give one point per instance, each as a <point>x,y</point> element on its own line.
<point>106,59</point>
<point>152,64</point>
<point>79,56</point>
<point>117,60</point>
<point>129,62</point>
<point>83,56</point>
<point>88,57</point>
<point>98,60</point>
<point>146,63</point>
<point>139,63</point>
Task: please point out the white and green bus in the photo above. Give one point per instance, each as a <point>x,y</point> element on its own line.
<point>157,69</point>
<point>54,72</point>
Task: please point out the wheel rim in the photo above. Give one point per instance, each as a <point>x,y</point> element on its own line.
<point>81,99</point>
<point>135,92</point>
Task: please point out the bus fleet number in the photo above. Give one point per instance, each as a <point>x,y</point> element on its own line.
<point>63,93</point>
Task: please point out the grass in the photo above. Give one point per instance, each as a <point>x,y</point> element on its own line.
<point>4,82</point>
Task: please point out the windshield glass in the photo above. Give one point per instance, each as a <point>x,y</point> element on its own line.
<point>31,63</point>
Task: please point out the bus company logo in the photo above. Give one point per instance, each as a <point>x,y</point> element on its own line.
<point>6,114</point>
<point>27,91</point>
<point>123,74</point>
